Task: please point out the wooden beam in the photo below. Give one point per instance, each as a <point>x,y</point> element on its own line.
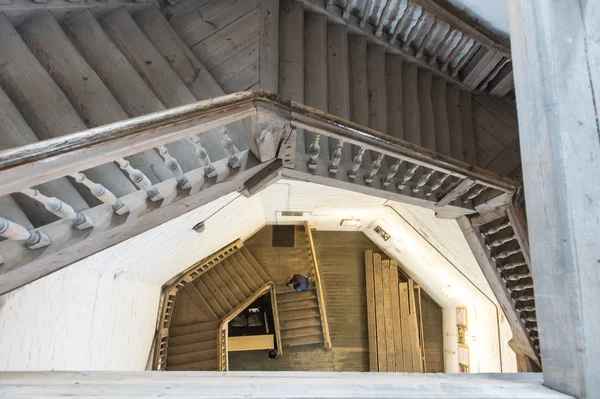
<point>389,318</point>
<point>395,297</point>
<point>461,189</point>
<point>260,385</point>
<point>372,325</point>
<point>556,56</point>
<point>380,314</point>
<point>405,327</point>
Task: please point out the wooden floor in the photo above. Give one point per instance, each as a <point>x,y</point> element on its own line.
<point>341,260</point>
<point>223,34</point>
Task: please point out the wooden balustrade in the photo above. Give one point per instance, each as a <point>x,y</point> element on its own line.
<point>102,193</point>
<point>413,32</point>
<point>140,180</point>
<point>209,169</point>
<point>174,167</point>
<point>32,239</point>
<point>375,166</point>
<point>336,157</point>
<point>60,209</point>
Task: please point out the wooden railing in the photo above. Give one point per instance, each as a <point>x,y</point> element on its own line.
<point>319,286</point>
<point>169,294</point>
<point>222,333</point>
<point>416,175</point>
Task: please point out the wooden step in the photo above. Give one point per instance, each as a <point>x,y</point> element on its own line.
<point>15,132</point>
<point>454,123</point>
<point>377,95</point>
<point>157,73</point>
<point>241,271</point>
<point>187,339</point>
<point>45,107</point>
<point>296,296</point>
<point>298,305</point>
<point>206,365</point>
<point>175,331</point>
<point>222,287</point>
<point>299,323</point>
<point>133,95</point>
<point>187,67</point>
<point>359,89</point>
<point>214,291</point>
<point>193,357</point>
<point>199,300</point>
<point>255,265</point>
<point>468,133</point>
<point>440,112</point>
<point>175,350</point>
<point>236,277</point>
<point>221,270</point>
<point>298,314</point>
<point>395,117</point>
<point>305,340</point>
<point>250,271</point>
<point>215,306</point>
<point>427,123</point>
<point>410,103</point>
<point>301,332</point>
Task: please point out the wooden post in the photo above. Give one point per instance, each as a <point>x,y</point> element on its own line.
<point>556,54</point>
<point>268,49</point>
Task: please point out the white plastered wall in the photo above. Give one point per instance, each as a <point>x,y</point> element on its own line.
<point>100,313</point>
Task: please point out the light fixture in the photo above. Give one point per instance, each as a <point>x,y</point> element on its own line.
<point>350,222</point>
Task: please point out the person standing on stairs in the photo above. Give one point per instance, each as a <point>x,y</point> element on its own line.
<point>298,282</point>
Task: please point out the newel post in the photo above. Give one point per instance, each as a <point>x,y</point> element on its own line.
<point>269,135</point>
<point>556,53</point>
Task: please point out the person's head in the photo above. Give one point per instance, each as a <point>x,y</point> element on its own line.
<point>295,279</point>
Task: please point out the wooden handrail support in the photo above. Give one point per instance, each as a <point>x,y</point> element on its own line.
<point>223,327</point>
<point>21,167</point>
<point>169,293</point>
<point>319,284</point>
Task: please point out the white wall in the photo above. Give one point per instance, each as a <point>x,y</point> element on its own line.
<point>100,313</point>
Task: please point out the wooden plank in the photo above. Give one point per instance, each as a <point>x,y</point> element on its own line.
<point>315,72</point>
<point>516,215</point>
<point>441,117</point>
<point>466,117</point>
<point>250,343</point>
<point>268,52</point>
<point>424,81</point>
<point>222,286</point>
<point>395,301</point>
<point>214,291</point>
<point>459,190</point>
<point>199,300</point>
<point>377,95</point>
<point>507,160</point>
<point>380,314</point>
<point>319,284</point>
<point>207,294</point>
<point>323,385</point>
<point>389,318</point>
<point>371,318</point>
<point>230,271</point>
<point>405,327</point>
<point>359,89</point>
<point>417,361</point>
<point>421,335</point>
<point>410,101</point>
<point>394,84</point>
<point>338,79</point>
<point>454,122</point>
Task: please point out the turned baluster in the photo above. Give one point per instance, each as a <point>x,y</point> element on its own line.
<point>518,276</point>
<point>329,5</point>
<point>60,209</point>
<point>506,254</point>
<point>426,39</point>
<point>500,241</point>
<point>534,328</point>
<point>493,74</point>
<point>209,169</point>
<point>398,26</point>
<point>440,47</point>
<point>465,58</point>
<point>525,298</point>
<point>347,9</point>
<point>140,180</point>
<point>423,180</point>
<point>495,229</point>
<point>530,319</point>
<point>32,239</point>
<point>384,15</point>
<point>356,162</point>
<point>375,166</point>
<point>391,173</point>
<point>407,176</point>
<point>234,161</point>
<point>174,167</point>
<point>455,51</point>
<point>413,31</point>
<point>336,157</point>
<point>366,12</point>
<point>438,183</point>
<point>473,193</point>
<point>525,308</point>
<point>522,287</point>
<point>513,265</point>
<point>102,193</point>
<point>314,150</point>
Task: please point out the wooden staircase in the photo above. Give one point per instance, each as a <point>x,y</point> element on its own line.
<point>217,291</point>
<point>300,318</point>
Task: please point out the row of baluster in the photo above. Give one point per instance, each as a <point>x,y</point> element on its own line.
<point>314,152</point>
<point>516,275</point>
<point>34,239</point>
<point>435,58</point>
